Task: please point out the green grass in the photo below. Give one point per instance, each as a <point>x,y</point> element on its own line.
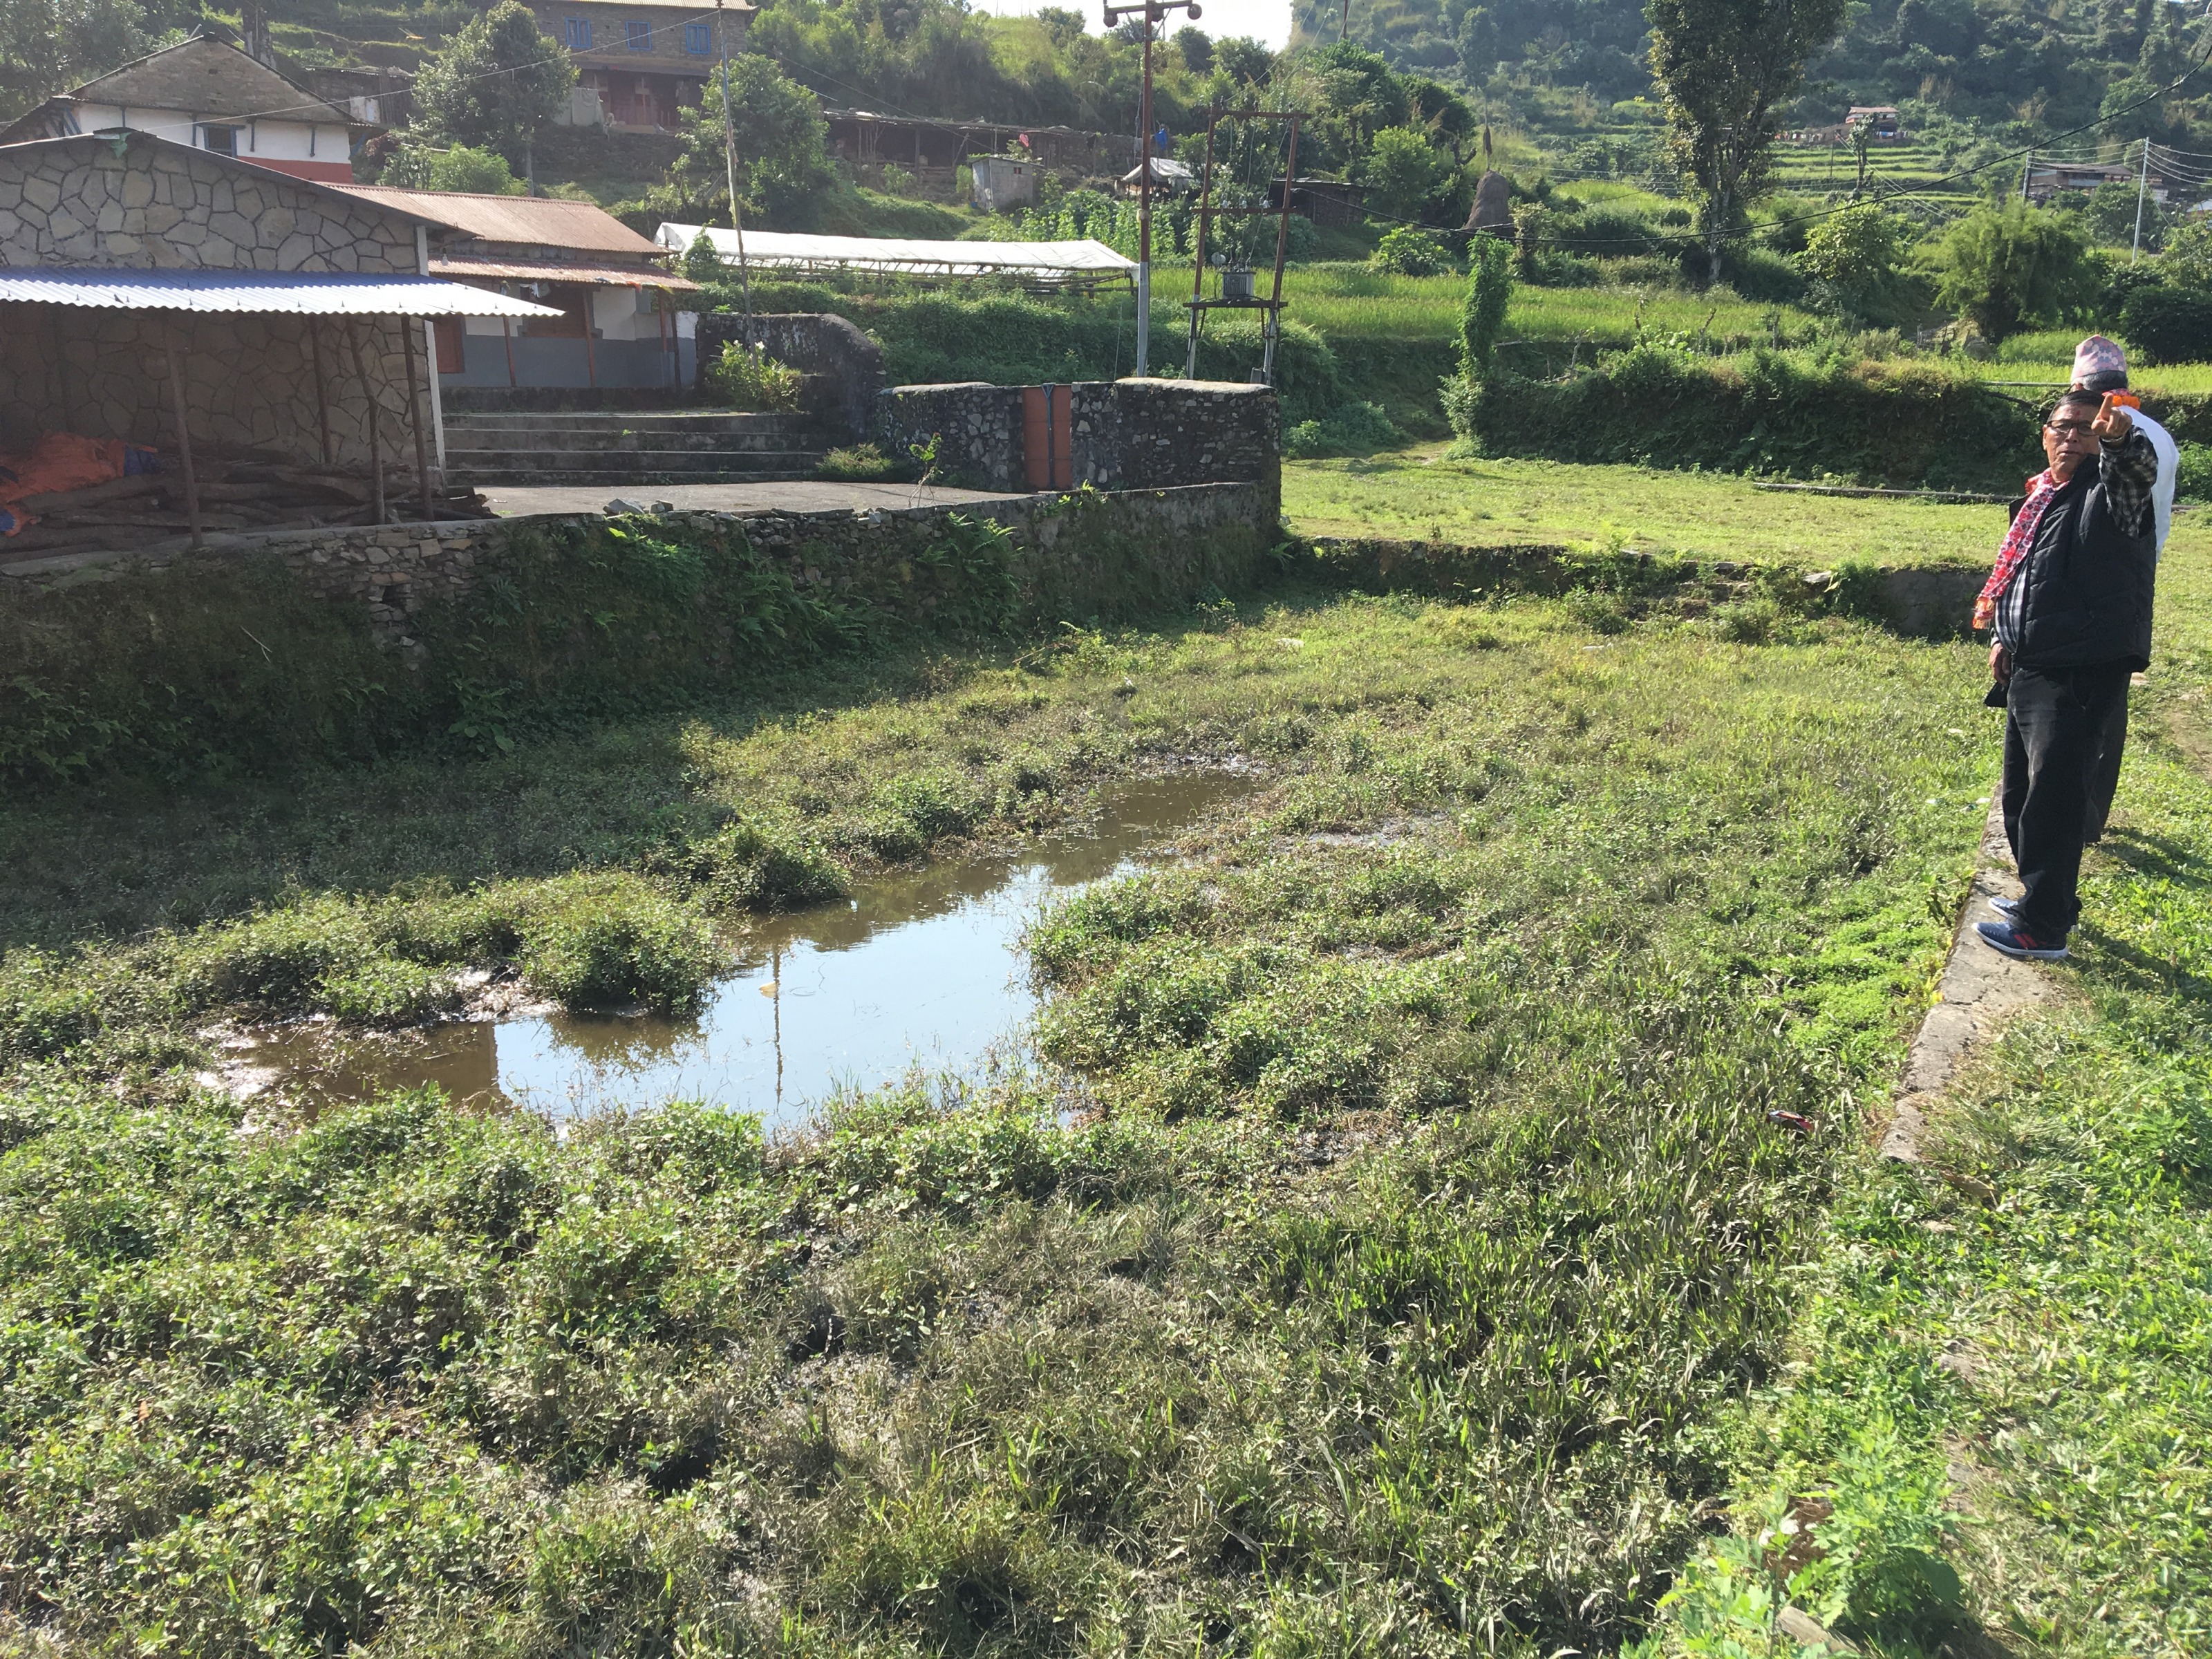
<point>2006,1358</point>
<point>1349,300</point>
<point>1425,1221</point>
<point>1420,494</point>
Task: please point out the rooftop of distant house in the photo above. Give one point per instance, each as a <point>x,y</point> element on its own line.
<point>204,77</point>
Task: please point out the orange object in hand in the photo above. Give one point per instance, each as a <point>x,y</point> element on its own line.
<point>2122,400</point>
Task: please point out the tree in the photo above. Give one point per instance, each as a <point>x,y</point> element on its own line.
<point>782,160</point>
<point>2010,266</point>
<point>1855,251</point>
<point>1400,170</point>
<point>1724,69</point>
<point>1196,47</point>
<point>1245,60</point>
<point>2110,213</point>
<point>480,172</point>
<point>46,45</point>
<point>494,86</point>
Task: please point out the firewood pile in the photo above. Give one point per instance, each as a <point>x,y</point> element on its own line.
<point>238,492</point>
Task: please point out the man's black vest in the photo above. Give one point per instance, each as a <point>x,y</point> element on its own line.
<point>2087,584</point>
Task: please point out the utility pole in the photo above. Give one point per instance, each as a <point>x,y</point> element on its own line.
<point>2027,167</point>
<point>1154,12</point>
<point>730,156</point>
<point>2142,191</point>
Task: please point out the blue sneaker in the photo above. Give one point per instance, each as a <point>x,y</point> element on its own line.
<point>2006,938</point>
<point>2009,909</point>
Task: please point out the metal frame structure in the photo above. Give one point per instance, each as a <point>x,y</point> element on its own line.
<point>1154,12</point>
<point>1198,304</point>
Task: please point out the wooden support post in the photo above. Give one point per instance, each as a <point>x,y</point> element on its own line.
<point>375,437</point>
<point>322,385</point>
<point>414,419</point>
<point>184,434</point>
<point>506,329</point>
<point>591,352</point>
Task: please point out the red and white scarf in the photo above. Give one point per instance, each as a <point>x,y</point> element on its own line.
<point>2014,549</point>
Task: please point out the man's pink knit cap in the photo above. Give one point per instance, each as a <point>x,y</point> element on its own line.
<point>2098,356</point>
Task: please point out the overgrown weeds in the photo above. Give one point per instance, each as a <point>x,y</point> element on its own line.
<point>1457,1123</point>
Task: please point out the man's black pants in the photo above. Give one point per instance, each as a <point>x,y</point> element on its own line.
<point>2056,721</point>
<point>2104,782</point>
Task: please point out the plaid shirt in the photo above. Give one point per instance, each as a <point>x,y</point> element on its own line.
<point>2128,471</point>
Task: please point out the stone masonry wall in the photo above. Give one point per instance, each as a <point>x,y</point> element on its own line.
<point>148,203</point>
<point>977,428</point>
<point>1078,557</point>
<point>249,380</point>
<point>1129,434</point>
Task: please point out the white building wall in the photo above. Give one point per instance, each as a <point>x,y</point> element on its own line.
<point>272,140</point>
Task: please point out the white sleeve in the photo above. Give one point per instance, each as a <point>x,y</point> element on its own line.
<point>2169,466</point>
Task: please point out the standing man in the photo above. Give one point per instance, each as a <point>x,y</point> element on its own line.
<point>2099,365</point>
<point>2070,600</point>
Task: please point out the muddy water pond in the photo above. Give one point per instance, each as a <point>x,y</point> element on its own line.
<point>922,967</point>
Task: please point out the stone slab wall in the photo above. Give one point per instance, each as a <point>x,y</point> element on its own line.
<point>149,204</point>
<point>1077,557</point>
<point>1129,434</point>
<point>977,428</point>
<point>249,381</point>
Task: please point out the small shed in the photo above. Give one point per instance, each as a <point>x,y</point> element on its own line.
<point>1003,184</point>
<point>168,296</point>
<point>1169,176</point>
<point>621,319</point>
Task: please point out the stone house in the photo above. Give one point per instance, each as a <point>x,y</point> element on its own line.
<point>210,96</point>
<point>139,276</point>
<point>619,323</point>
<point>638,61</point>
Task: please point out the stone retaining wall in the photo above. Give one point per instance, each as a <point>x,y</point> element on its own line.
<point>1079,557</point>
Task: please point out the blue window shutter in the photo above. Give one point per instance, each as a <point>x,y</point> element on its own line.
<point>696,41</point>
<point>579,33</point>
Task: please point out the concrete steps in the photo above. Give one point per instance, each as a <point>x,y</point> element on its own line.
<point>619,448</point>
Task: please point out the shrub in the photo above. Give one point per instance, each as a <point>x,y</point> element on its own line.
<point>2009,267</point>
<point>1407,251</point>
<point>1359,428</point>
<point>858,463</point>
<point>594,941</point>
<point>2168,324</point>
<point>753,380</point>
<point>2193,477</point>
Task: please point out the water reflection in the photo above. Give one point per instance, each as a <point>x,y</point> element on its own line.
<point>919,967</point>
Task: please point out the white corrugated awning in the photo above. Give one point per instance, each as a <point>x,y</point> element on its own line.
<point>1080,261</point>
<point>300,294</point>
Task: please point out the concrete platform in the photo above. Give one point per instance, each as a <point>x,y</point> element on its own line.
<point>765,496</point>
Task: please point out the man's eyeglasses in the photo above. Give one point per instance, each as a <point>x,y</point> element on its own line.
<point>2068,426</point>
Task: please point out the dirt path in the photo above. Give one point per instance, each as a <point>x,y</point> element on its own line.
<point>1980,991</point>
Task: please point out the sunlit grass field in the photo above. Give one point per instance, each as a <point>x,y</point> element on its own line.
<point>1419,494</point>
<point>1349,300</point>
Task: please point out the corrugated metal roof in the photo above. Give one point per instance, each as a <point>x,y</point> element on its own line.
<point>604,275</point>
<point>303,294</point>
<point>539,221</point>
<point>783,250</point>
